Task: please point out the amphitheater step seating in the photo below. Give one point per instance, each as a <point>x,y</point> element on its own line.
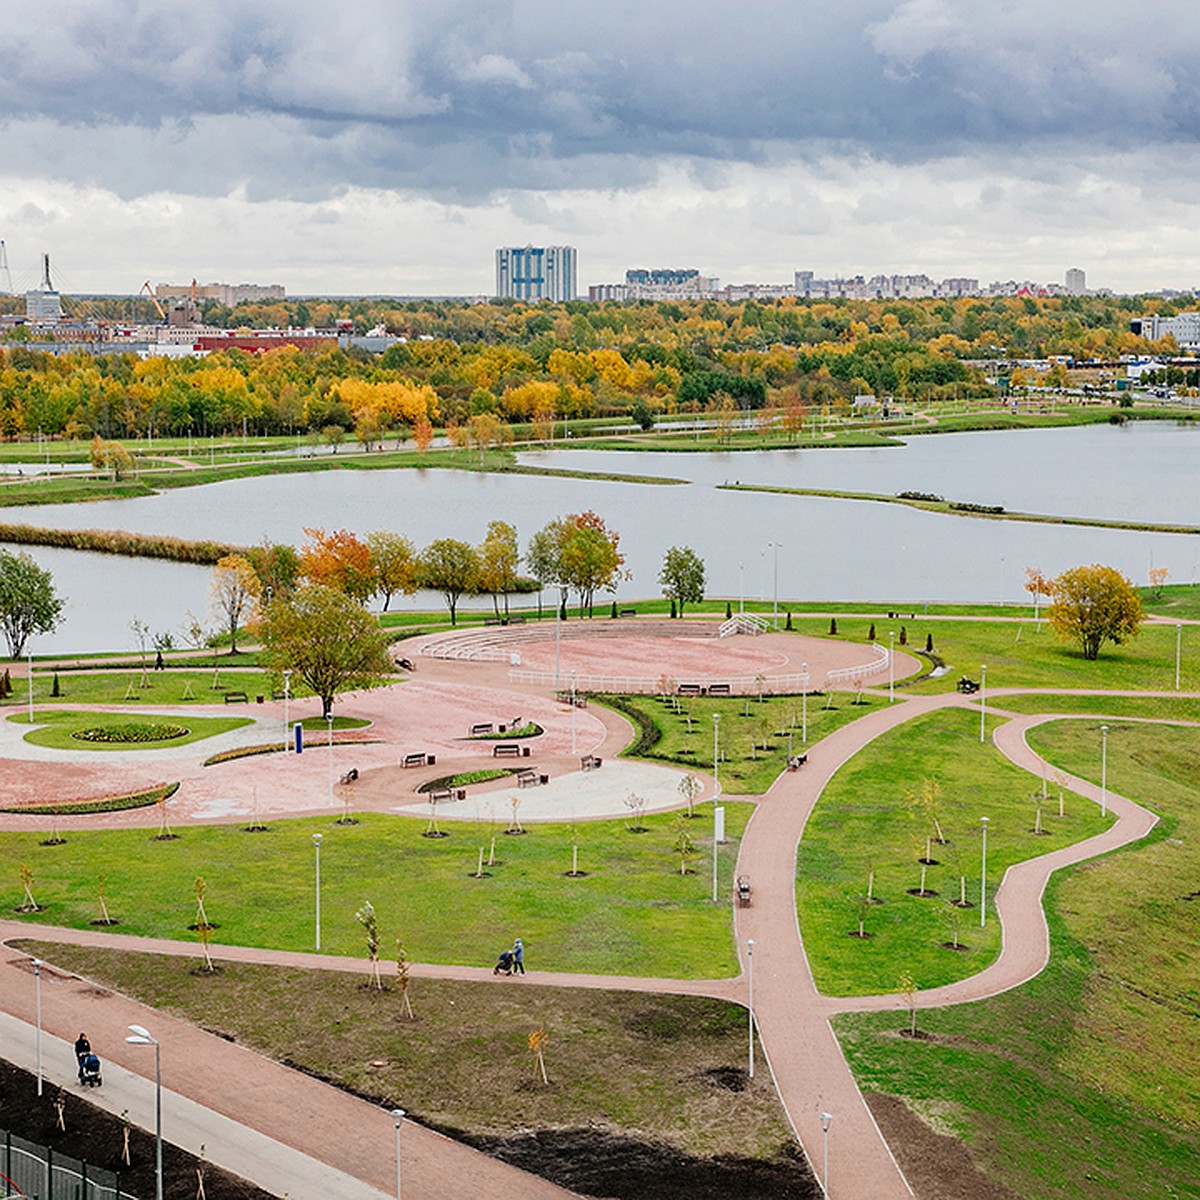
<point>500,643</point>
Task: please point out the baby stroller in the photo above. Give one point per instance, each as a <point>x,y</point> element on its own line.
<point>89,1071</point>
<point>504,965</point>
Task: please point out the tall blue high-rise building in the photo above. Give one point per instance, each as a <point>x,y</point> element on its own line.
<point>536,272</point>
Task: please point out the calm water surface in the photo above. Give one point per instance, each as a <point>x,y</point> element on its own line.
<point>831,549</point>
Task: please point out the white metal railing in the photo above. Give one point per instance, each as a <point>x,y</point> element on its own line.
<point>863,670</point>
<point>735,685</point>
<point>750,623</point>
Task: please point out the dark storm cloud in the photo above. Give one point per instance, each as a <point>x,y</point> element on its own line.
<point>460,99</point>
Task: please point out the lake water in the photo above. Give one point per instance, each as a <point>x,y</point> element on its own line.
<point>831,549</point>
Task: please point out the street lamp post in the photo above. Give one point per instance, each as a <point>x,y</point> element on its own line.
<point>982,704</point>
<point>776,547</point>
<point>317,847</point>
<point>397,1121</point>
<point>287,696</point>
<point>572,710</point>
<point>826,1121</point>
<point>804,705</point>
<point>141,1037</point>
<point>29,659</point>
<point>741,590</point>
<point>750,1010</point>
<point>37,992</point>
<point>716,797</point>
<point>1104,770</point>
<point>558,608</point>
<point>891,666</point>
<point>1178,652</point>
<point>983,877</point>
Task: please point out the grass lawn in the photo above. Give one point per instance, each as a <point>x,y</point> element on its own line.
<point>1178,602</point>
<point>753,733</point>
<point>54,728</point>
<point>633,913</point>
<point>1081,1084</point>
<point>620,1061</point>
<point>321,725</point>
<point>1169,708</point>
<point>124,687</point>
<point>865,821</point>
<point>1139,1034</point>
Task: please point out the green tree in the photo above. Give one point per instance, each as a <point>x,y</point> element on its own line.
<point>394,564</point>
<point>326,638</point>
<point>589,557</point>
<point>450,567</point>
<point>499,556</point>
<point>234,594</point>
<point>682,576</point>
<point>28,601</point>
<point>277,566</point>
<point>543,558</point>
<point>1093,605</point>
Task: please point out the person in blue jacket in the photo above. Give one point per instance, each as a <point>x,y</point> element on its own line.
<point>518,952</point>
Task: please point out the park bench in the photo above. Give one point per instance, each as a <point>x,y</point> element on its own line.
<point>968,687</point>
<point>440,795</point>
<point>509,750</point>
<point>277,695</point>
<point>589,762</point>
<point>420,759</point>
<point>406,664</point>
<point>718,689</point>
<point>531,778</point>
<point>492,621</point>
<point>690,689</point>
<point>516,620</point>
<point>236,698</point>
<point>627,612</point>
<point>483,727</point>
<point>743,891</point>
<point>796,762</point>
<point>350,776</point>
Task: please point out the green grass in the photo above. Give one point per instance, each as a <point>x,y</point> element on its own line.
<point>1169,708</point>
<point>53,728</point>
<point>1178,602</point>
<point>864,821</point>
<point>1137,914</point>
<point>124,687</point>
<point>632,914</point>
<point>321,725</point>
<point>619,1062</point>
<point>1080,1085</point>
<point>744,771</point>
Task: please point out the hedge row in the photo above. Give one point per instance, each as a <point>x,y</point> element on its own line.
<point>112,804</point>
<point>120,541</point>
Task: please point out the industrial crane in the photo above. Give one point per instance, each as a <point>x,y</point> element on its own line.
<point>154,299</point>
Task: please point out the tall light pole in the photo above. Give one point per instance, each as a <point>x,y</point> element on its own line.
<point>317,848</point>
<point>37,992</point>
<point>562,599</point>
<point>750,1010</point>
<point>29,659</point>
<point>741,590</point>
<point>982,704</point>
<point>716,797</point>
<point>573,750</point>
<point>891,666</point>
<point>826,1121</point>
<point>141,1037</point>
<point>804,705</point>
<point>1178,652</point>
<point>397,1120</point>
<point>287,696</point>
<point>983,877</point>
<point>716,755</point>
<point>1104,770</point>
<point>776,547</point>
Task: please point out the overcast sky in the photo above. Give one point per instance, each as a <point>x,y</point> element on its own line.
<point>385,146</point>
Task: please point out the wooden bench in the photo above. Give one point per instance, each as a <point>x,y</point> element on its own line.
<point>350,776</point>
<point>719,689</point>
<point>516,620</point>
<point>236,698</point>
<point>589,762</point>
<point>627,612</point>
<point>796,762</point>
<point>277,695</point>
<point>968,687</point>
<point>531,778</point>
<point>421,759</point>
<point>690,689</point>
<point>440,795</point>
<point>476,730</point>
<point>509,750</point>
<point>743,891</point>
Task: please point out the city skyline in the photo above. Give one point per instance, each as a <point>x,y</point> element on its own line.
<point>268,142</point>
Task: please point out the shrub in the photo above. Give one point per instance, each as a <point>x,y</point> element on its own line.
<point>130,732</point>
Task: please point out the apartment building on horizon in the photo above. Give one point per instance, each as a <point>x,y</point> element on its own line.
<point>536,273</point>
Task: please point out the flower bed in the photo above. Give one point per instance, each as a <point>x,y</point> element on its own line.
<point>464,779</point>
<point>131,732</point>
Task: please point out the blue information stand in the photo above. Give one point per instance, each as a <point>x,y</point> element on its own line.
<point>298,735</point>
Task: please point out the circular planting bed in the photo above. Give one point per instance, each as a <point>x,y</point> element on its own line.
<point>130,733</point>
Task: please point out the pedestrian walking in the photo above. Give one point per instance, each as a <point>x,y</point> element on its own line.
<point>82,1049</point>
<point>518,953</point>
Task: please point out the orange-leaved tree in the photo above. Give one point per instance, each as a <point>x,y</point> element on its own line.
<point>235,591</point>
<point>338,560</point>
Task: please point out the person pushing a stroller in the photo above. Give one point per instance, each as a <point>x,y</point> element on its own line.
<point>87,1062</point>
<point>504,964</point>
<point>511,962</point>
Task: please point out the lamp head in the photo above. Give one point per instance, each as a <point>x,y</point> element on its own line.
<point>826,1121</point>
<point>141,1031</point>
<point>397,1116</point>
<point>317,839</point>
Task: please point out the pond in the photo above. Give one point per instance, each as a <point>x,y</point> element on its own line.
<point>829,549</point>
